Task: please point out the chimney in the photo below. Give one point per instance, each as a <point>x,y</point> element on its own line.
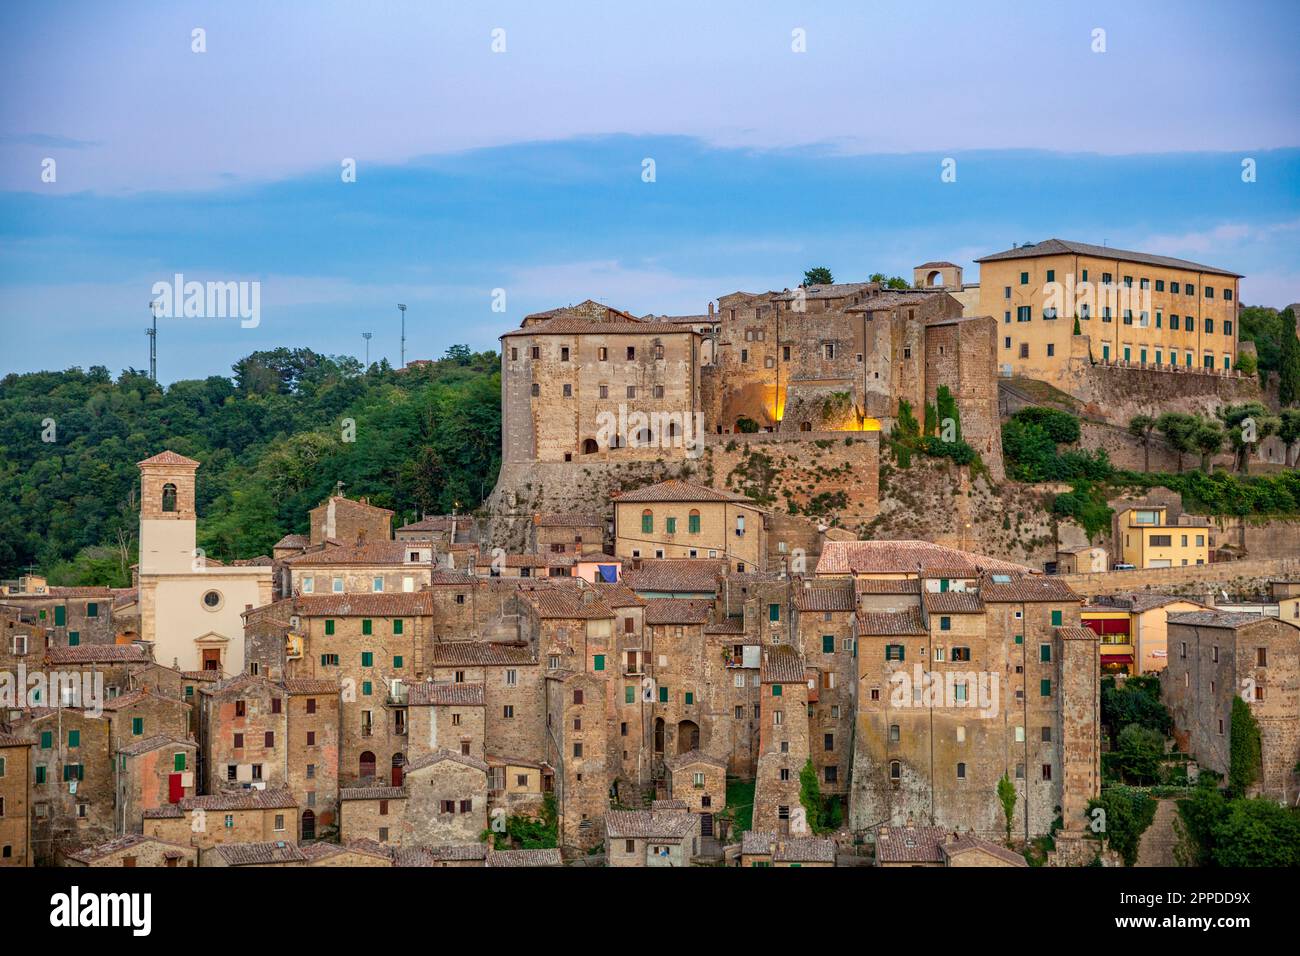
<point>710,310</point>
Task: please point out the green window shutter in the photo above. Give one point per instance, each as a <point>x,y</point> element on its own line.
<point>137,726</point>
<point>397,626</point>
<point>74,738</point>
<point>1020,638</point>
<point>670,525</point>
<point>1045,687</point>
<point>943,584</point>
<point>367,658</point>
<point>828,643</point>
<point>42,614</point>
<point>693,524</point>
<point>1045,652</point>
<point>189,691</point>
<point>598,662</point>
<point>323,659</point>
<point>60,616</point>
<point>178,762</point>
<point>367,626</point>
<point>1056,619</point>
<point>47,739</point>
<point>776,690</point>
<point>92,609</point>
<point>774,612</point>
<point>663,695</point>
<point>945,624</point>
<point>629,694</point>
<point>74,638</point>
<point>366,687</point>
<point>40,774</point>
<point>647,523</point>
<point>397,662</point>
<point>329,626</point>
<point>690,697</point>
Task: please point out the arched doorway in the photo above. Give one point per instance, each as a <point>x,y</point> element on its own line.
<point>590,447</point>
<point>399,764</point>
<point>688,736</point>
<point>659,735</point>
<point>934,279</point>
<point>308,825</point>
<point>366,765</point>
<point>805,426</point>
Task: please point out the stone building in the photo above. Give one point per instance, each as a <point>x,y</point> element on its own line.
<point>591,383</point>
<point>153,772</point>
<point>369,567</point>
<point>651,838</point>
<point>256,732</point>
<point>446,717</point>
<point>577,748</point>
<point>72,778</point>
<point>135,850</point>
<point>783,742</point>
<point>683,519</point>
<point>446,801</point>
<point>15,800</point>
<point>700,782</point>
<point>770,849</point>
<point>372,813</point>
<point>1215,656</point>
<point>349,521</point>
<point>243,816</point>
<point>823,618</point>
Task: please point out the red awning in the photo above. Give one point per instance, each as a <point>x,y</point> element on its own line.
<point>1117,658</point>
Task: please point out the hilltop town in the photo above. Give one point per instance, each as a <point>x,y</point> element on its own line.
<point>826,576</point>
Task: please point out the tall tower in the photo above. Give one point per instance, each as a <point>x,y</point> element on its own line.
<point>167,516</point>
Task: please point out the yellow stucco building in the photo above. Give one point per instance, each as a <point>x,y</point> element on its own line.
<point>1147,540</point>
<point>1132,307</point>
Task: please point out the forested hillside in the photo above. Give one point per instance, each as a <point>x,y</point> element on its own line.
<point>273,439</point>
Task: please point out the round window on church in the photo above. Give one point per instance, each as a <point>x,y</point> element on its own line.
<point>212,600</point>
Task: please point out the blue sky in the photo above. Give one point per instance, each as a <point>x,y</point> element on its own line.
<point>522,170</point>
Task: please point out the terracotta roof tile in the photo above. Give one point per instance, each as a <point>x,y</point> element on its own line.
<point>905,557</point>
<point>168,458</point>
<point>826,596</point>
<point>787,849</point>
<point>910,844</point>
<point>259,854</point>
<point>952,602</point>
<point>438,756</point>
<point>97,654</point>
<point>426,693</point>
<point>890,623</point>
<point>661,611</point>
<point>434,855</point>
<point>1051,247</point>
<point>537,857</point>
<point>782,664</point>
<point>98,852</point>
<point>676,576</point>
<point>479,654</point>
<point>1017,588</point>
<point>648,824</point>
<point>372,793</point>
<point>675,489</point>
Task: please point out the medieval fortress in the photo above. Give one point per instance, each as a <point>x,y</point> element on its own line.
<point>596,400</point>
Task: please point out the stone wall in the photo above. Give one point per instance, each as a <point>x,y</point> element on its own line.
<point>1193,580</point>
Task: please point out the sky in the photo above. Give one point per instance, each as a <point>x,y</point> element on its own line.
<point>500,154</point>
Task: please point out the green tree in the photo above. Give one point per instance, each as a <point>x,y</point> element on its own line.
<point>1288,386</point>
<point>1288,430</point>
<point>1257,833</point>
<point>1179,430</point>
<point>818,275</point>
<point>1127,814</point>
<point>1208,439</point>
<point>1139,753</point>
<point>810,795</point>
<point>1246,425</point>
<point>1007,797</point>
<point>1141,427</point>
<point>889,282</point>
<point>1244,749</point>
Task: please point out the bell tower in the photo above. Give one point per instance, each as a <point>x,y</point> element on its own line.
<point>167,530</point>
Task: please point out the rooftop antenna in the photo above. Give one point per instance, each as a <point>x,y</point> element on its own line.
<point>367,336</point>
<point>153,342</point>
<point>402,308</point>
